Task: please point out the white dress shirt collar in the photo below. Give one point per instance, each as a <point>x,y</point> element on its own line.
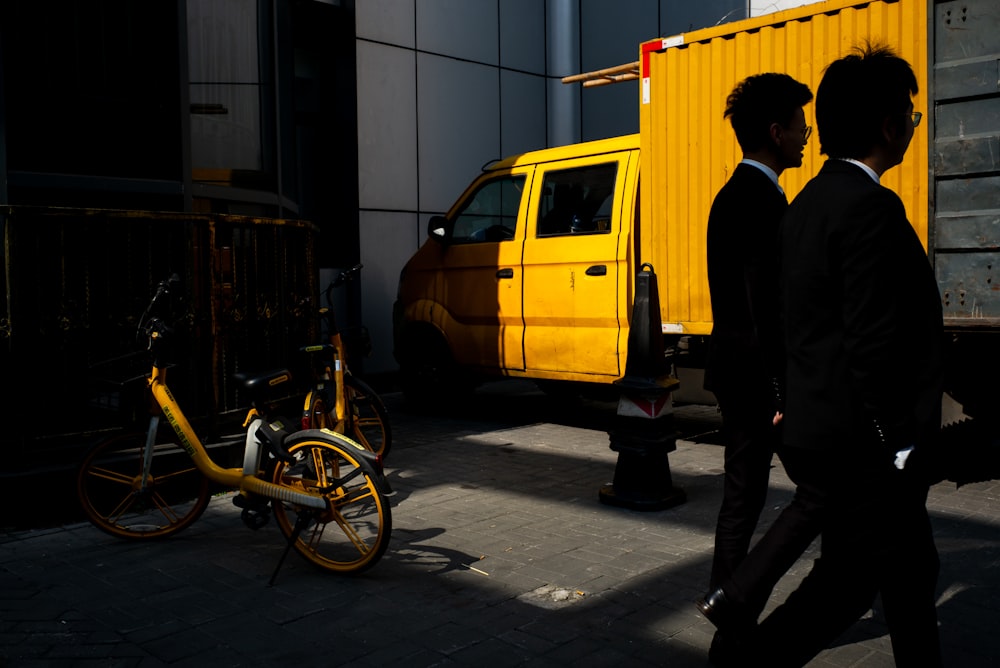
<point>767,170</point>
<point>868,170</point>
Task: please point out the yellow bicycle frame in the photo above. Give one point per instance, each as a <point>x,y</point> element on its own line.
<point>234,478</point>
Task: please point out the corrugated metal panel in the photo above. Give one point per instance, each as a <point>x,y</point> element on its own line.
<point>967,160</point>
<point>688,148</point>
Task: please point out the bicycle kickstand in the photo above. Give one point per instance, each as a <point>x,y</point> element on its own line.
<point>301,522</point>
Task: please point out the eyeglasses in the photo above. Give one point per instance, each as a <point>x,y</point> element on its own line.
<point>807,132</point>
<point>916,116</point>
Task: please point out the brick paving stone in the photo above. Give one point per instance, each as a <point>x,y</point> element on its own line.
<point>494,651</point>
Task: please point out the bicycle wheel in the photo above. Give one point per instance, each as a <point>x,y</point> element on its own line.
<point>352,534</point>
<point>115,499</point>
<point>368,418</point>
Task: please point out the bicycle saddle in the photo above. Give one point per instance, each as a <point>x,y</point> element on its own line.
<point>260,386</point>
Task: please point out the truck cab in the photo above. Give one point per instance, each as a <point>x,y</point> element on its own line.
<point>527,274</point>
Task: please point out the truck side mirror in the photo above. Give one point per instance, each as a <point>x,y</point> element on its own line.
<point>439,228</point>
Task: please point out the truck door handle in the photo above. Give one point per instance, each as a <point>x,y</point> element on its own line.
<point>505,273</point>
<point>597,270</point>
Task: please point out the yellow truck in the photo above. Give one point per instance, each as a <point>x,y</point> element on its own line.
<point>531,273</point>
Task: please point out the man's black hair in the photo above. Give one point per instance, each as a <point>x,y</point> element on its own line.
<point>760,100</point>
<point>857,93</point>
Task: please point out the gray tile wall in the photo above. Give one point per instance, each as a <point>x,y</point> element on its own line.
<point>444,86</point>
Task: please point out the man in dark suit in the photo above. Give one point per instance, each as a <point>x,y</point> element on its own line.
<point>865,348</point>
<point>745,355</point>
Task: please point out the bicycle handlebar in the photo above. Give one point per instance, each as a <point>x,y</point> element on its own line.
<point>150,324</point>
<point>163,290</point>
<point>345,276</point>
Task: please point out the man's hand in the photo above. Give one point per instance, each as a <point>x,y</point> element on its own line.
<point>902,456</point>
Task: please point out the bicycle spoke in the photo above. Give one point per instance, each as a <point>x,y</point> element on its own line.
<point>122,508</point>
<point>351,533</point>
<point>113,476</point>
<point>353,496</point>
<point>165,508</point>
<point>183,472</point>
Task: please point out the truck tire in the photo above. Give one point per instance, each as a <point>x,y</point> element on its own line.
<point>430,379</point>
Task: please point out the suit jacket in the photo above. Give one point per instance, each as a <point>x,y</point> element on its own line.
<point>863,319</point>
<point>745,350</point>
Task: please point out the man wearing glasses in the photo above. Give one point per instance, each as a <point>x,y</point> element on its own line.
<point>865,349</point>
<point>745,356</point>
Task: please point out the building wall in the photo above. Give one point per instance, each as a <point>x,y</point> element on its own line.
<point>445,86</point>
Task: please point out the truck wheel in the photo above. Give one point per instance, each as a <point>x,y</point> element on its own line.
<point>430,378</point>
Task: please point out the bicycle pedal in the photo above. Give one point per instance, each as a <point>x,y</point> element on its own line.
<point>243,501</point>
<point>255,518</point>
<point>256,504</point>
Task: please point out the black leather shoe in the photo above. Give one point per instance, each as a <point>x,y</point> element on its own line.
<point>722,612</point>
<point>714,605</point>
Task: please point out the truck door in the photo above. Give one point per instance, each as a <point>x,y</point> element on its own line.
<point>480,274</point>
<point>575,273</point>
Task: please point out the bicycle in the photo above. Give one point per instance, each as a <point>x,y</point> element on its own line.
<point>327,493</point>
<point>354,409</point>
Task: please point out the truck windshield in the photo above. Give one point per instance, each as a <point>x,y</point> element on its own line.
<point>490,214</point>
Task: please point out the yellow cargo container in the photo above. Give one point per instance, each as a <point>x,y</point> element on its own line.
<point>688,150</point>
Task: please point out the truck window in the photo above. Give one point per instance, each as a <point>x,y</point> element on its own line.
<point>490,214</point>
<point>577,201</point>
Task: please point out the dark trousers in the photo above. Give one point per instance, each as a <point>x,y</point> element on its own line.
<point>794,530</point>
<point>750,443</point>
<point>877,540</point>
<point>748,578</point>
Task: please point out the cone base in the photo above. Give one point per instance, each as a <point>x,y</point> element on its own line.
<point>669,499</point>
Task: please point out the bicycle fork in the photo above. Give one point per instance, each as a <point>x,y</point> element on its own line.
<point>147,454</point>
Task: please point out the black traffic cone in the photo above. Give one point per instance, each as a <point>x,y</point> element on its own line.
<point>645,365</point>
<point>643,434</point>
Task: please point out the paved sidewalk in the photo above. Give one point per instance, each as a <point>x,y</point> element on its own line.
<point>501,555</point>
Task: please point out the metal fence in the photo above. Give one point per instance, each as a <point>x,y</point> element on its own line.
<point>75,283</point>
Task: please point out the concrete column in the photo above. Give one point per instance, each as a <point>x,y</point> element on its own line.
<point>562,44</point>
